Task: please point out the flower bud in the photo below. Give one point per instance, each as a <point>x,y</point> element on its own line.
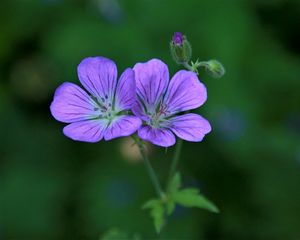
<point>215,68</point>
<point>181,49</point>
<point>178,38</point>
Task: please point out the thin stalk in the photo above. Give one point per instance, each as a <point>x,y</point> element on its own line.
<point>188,66</point>
<point>150,170</point>
<point>175,161</point>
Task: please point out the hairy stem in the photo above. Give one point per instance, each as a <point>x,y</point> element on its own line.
<point>188,66</point>
<point>175,161</point>
<point>150,169</point>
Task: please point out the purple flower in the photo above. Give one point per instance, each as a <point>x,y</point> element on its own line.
<point>102,112</point>
<point>177,38</point>
<point>160,101</point>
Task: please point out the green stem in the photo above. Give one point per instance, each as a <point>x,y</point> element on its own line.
<point>188,66</point>
<point>194,66</point>
<point>203,64</point>
<point>175,161</point>
<point>150,169</point>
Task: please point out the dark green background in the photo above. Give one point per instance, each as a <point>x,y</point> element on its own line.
<point>249,165</point>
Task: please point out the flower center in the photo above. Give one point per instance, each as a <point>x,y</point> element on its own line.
<point>105,108</point>
<point>159,116</point>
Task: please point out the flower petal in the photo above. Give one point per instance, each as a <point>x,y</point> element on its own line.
<point>71,104</point>
<point>99,76</point>
<point>190,127</point>
<point>122,126</point>
<point>185,92</point>
<point>125,93</point>
<point>86,131</point>
<point>151,79</point>
<point>161,137</point>
<point>139,111</point>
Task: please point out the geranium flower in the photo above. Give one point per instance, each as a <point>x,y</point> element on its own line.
<point>103,113</point>
<point>160,101</point>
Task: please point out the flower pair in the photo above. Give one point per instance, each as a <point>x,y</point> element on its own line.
<point>145,90</point>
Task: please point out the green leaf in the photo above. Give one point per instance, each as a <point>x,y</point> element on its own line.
<point>156,212</point>
<point>170,206</point>
<point>175,184</point>
<point>191,191</point>
<point>114,234</point>
<point>190,197</point>
<point>150,204</point>
<point>172,190</point>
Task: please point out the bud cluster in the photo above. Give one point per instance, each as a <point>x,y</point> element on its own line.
<point>181,51</point>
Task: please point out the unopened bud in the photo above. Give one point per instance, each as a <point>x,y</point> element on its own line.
<point>181,49</point>
<point>215,68</point>
<point>177,38</point>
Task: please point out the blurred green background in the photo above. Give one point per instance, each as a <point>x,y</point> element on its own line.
<point>249,165</point>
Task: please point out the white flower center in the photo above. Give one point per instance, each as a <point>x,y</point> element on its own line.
<point>105,108</point>
<point>158,118</point>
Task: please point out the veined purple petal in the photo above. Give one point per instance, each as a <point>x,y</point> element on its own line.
<point>185,92</point>
<point>86,131</point>
<point>190,127</point>
<point>161,137</point>
<point>71,104</point>
<point>151,79</point>
<point>125,92</point>
<point>99,76</point>
<point>122,126</point>
<point>139,111</point>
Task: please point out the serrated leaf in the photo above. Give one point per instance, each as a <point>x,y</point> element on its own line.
<point>114,234</point>
<point>190,197</point>
<point>175,184</point>
<point>150,204</point>
<point>191,191</point>
<point>156,212</point>
<point>170,206</point>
